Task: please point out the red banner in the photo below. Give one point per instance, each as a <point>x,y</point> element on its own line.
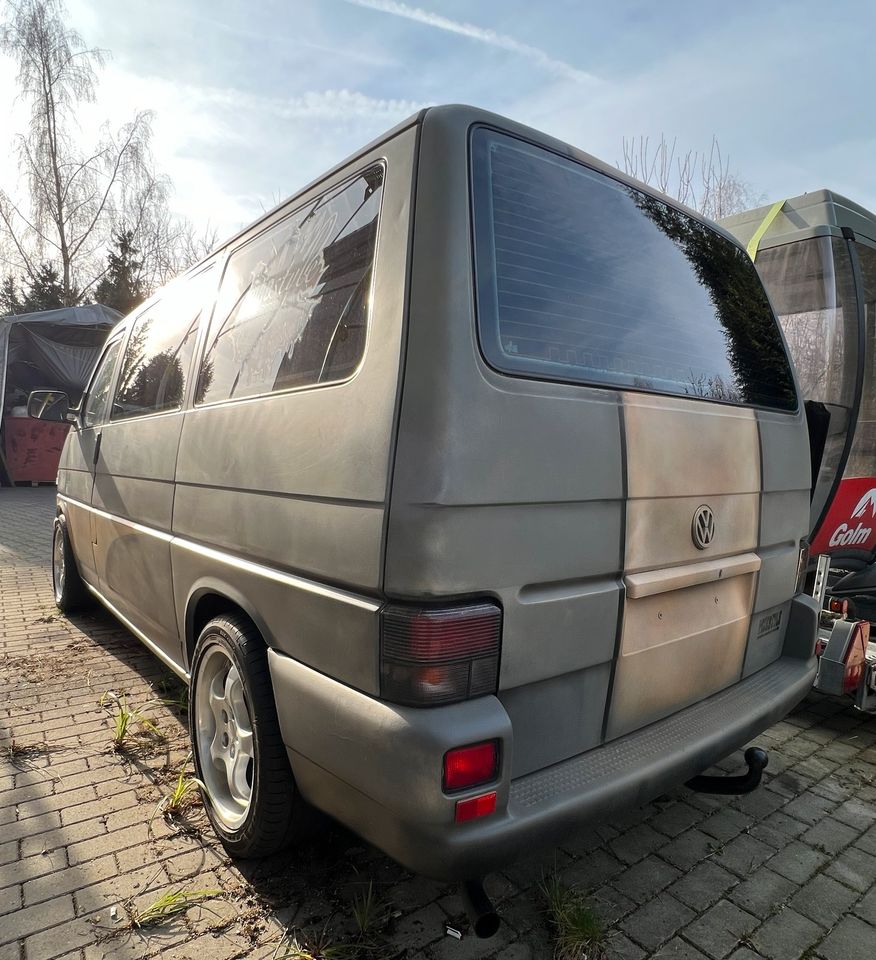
<point>850,523</point>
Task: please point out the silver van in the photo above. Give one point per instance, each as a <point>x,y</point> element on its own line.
<point>467,488</point>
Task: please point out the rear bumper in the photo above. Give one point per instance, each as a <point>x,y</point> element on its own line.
<point>377,767</point>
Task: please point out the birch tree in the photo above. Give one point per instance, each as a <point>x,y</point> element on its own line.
<point>72,197</point>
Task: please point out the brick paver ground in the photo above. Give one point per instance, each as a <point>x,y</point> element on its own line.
<point>785,873</point>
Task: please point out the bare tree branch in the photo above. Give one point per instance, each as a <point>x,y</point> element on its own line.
<point>703,181</point>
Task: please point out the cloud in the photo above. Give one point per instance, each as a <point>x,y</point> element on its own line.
<point>482,35</point>
<point>314,104</point>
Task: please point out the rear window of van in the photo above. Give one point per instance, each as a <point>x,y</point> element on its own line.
<point>584,279</point>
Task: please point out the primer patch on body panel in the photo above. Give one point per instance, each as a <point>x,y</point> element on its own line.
<point>686,459</point>
<point>687,448</point>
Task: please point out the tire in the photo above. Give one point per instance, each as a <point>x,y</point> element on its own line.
<point>250,796</point>
<point>70,592</point>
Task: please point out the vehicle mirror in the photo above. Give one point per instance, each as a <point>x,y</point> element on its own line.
<point>51,405</point>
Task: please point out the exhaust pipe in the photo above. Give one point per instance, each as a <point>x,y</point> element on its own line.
<point>481,912</point>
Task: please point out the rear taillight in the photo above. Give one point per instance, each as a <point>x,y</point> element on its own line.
<point>471,766</point>
<point>438,655</point>
<point>855,658</point>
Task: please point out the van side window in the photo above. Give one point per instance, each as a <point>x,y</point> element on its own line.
<point>293,305</point>
<point>585,279</point>
<point>94,411</point>
<point>158,356</point>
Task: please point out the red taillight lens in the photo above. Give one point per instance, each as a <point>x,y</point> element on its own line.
<point>475,807</point>
<point>855,659</point>
<point>470,766</point>
<point>838,606</point>
<point>439,655</point>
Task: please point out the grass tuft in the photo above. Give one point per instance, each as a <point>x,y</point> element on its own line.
<point>183,796</point>
<point>124,719</point>
<point>578,932</point>
<point>168,906</point>
<point>370,913</point>
<point>302,947</point>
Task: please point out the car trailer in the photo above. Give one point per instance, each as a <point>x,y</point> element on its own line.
<point>816,255</point>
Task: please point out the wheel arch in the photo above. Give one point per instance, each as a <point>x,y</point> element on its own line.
<point>209,598</point>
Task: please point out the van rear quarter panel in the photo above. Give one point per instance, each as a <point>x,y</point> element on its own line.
<point>298,481</point>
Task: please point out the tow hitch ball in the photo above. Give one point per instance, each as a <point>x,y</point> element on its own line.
<point>757,760</point>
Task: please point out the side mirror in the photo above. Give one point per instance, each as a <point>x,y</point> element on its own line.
<point>50,405</point>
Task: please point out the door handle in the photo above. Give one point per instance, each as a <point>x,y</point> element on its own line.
<point>97,447</point>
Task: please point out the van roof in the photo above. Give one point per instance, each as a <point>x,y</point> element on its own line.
<point>471,115</point>
<point>820,213</point>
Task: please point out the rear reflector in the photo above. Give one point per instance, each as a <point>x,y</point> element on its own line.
<point>438,655</point>
<point>470,766</point>
<point>839,606</point>
<point>855,659</point>
<point>475,807</point>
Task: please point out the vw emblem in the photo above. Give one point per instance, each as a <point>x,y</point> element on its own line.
<point>702,529</point>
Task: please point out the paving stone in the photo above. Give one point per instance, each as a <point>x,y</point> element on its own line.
<point>744,854</point>
<point>704,885</point>
<point>866,909</point>
<point>718,931</point>
<point>645,879</point>
<point>867,842</point>
<point>798,862</point>
<point>834,788</point>
<point>619,947</point>
<point>582,842</point>
<point>657,921</point>
<point>830,835</point>
<point>777,829</point>
<point>857,814</point>
<point>809,807</point>
<point>823,900</point>
<point>636,843</point>
<point>760,803</point>
<point>787,785</point>
<point>610,905</point>
<point>786,936</point>
<point>419,928</point>
<point>850,939</point>
<point>688,849</point>
<point>763,893</point>
<point>725,824</point>
<point>678,949</point>
<point>854,868</point>
<point>470,947</point>
<point>676,819</point>
<point>29,920</point>
<point>525,873</point>
<point>590,871</point>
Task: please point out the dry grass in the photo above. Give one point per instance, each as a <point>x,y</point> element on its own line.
<point>168,906</point>
<point>578,932</point>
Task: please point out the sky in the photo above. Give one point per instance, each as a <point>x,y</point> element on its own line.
<point>253,100</point>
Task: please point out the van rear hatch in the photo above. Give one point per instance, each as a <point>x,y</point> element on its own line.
<point>599,429</point>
